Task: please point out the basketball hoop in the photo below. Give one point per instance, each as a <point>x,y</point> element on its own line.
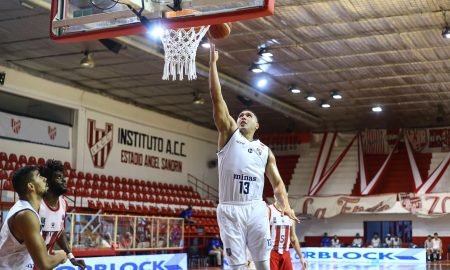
<point>180,48</point>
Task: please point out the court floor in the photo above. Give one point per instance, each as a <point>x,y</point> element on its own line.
<point>445,265</point>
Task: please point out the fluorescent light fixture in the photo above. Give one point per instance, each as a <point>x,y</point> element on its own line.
<point>336,95</point>
<point>255,68</point>
<point>264,52</point>
<point>310,98</point>
<point>377,109</point>
<point>261,83</point>
<point>294,89</point>
<point>325,104</point>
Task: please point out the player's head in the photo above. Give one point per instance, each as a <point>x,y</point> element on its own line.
<point>436,235</point>
<point>247,122</point>
<point>53,170</point>
<point>28,180</point>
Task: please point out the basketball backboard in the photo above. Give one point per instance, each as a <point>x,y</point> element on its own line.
<point>77,20</point>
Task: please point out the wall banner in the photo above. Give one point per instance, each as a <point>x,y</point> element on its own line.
<point>141,262</point>
<point>330,206</point>
<point>33,130</point>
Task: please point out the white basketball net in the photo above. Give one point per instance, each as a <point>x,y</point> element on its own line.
<point>180,50</point>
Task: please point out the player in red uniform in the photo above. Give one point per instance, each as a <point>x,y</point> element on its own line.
<point>283,233</point>
<point>53,210</point>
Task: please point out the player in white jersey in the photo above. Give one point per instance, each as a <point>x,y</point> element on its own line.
<point>53,210</point>
<point>21,243</point>
<point>242,214</point>
<point>283,234</point>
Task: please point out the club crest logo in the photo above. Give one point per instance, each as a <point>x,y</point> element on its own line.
<point>100,142</point>
<point>52,132</point>
<point>15,126</point>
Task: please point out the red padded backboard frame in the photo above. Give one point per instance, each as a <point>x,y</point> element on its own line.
<point>267,10</point>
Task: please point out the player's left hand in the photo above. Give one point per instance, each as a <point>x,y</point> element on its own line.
<point>304,263</point>
<point>78,262</point>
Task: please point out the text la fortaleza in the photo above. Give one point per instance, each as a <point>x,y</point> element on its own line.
<point>152,143</point>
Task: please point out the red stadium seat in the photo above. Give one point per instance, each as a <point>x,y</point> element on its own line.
<point>3,175</point>
<point>103,178</point>
<point>8,185</point>
<point>88,176</point>
<point>110,195</point>
<point>8,166</point>
<point>3,156</point>
<point>80,175</point>
<point>18,166</point>
<point>31,160</point>
<point>95,184</point>
<point>132,208</point>
<point>12,157</point>
<point>96,177</point>
<point>110,179</point>
<point>132,197</point>
<point>22,159</point>
<point>102,194</point>
<point>41,161</point>
<point>123,181</point>
<point>67,165</point>
<point>116,180</point>
<point>103,185</point>
<point>131,188</point>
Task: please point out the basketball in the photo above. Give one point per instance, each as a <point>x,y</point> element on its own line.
<point>219,31</point>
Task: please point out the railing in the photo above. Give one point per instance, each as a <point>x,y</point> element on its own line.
<point>206,190</point>
<point>121,233</point>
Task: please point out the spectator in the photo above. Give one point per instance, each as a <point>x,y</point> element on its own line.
<point>105,241</point>
<point>428,245</point>
<point>388,241</point>
<point>326,241</point>
<point>215,248</point>
<point>187,215</point>
<point>397,242</point>
<point>437,245</point>
<point>357,241</point>
<point>127,241</point>
<point>335,242</point>
<point>376,241</point>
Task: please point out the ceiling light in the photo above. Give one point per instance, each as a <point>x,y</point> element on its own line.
<point>377,109</point>
<point>198,100</point>
<point>325,104</point>
<point>336,95</point>
<point>25,4</point>
<point>264,52</point>
<point>261,83</point>
<point>255,68</point>
<point>87,61</point>
<point>310,98</point>
<point>446,32</point>
<point>295,90</point>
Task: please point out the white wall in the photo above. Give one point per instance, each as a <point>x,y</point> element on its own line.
<point>200,142</point>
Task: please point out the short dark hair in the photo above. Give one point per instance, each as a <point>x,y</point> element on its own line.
<point>21,178</point>
<point>50,167</point>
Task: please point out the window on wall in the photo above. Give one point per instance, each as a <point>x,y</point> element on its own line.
<point>402,228</point>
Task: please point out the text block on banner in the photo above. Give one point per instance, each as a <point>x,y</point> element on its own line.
<point>141,262</point>
<point>403,256</point>
<point>33,130</point>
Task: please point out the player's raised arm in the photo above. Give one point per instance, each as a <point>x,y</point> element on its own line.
<point>225,124</point>
<point>279,190</point>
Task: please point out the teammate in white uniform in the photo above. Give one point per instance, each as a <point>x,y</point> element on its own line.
<point>53,210</point>
<point>21,243</point>
<point>242,214</point>
<point>283,234</point>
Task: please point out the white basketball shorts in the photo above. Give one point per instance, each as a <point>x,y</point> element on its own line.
<point>244,226</point>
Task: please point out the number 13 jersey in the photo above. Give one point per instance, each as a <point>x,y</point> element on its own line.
<point>242,164</point>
